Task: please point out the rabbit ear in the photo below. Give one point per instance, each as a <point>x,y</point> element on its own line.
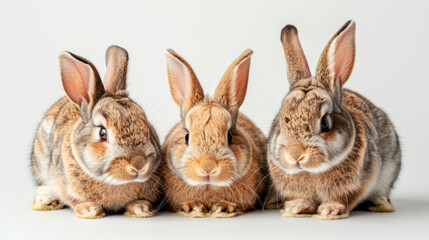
<point>81,82</point>
<point>297,66</point>
<point>184,85</point>
<point>116,72</point>
<point>232,88</point>
<point>336,62</point>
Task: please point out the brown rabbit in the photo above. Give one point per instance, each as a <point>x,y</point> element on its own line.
<point>213,159</point>
<point>95,150</point>
<point>329,148</point>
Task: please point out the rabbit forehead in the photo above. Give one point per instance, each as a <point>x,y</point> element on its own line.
<point>210,119</point>
<point>302,108</point>
<point>123,117</point>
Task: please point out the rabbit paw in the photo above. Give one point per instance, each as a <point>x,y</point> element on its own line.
<point>139,209</point>
<point>46,199</point>
<point>381,205</point>
<point>194,209</point>
<point>89,210</point>
<point>41,205</point>
<point>224,209</point>
<point>331,211</point>
<point>273,205</point>
<point>298,208</point>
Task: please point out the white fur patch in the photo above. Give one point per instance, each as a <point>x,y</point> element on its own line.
<point>47,125</point>
<point>216,184</point>
<point>112,181</point>
<point>276,144</point>
<point>381,187</point>
<point>45,195</point>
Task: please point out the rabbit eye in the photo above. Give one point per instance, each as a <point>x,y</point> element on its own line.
<point>103,134</point>
<point>187,138</point>
<point>229,138</point>
<point>324,124</point>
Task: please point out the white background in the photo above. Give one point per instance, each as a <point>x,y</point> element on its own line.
<point>392,40</point>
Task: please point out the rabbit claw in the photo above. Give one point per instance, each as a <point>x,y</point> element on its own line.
<point>194,209</point>
<point>224,209</point>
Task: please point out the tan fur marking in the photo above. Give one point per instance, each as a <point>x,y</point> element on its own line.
<point>98,149</point>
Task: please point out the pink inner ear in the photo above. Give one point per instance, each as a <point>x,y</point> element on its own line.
<point>239,81</point>
<point>75,77</point>
<point>108,78</point>
<point>179,80</point>
<point>344,56</point>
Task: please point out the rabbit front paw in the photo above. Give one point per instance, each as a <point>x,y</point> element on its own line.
<point>298,208</point>
<point>46,199</point>
<point>194,209</point>
<point>140,209</point>
<point>89,210</point>
<point>331,211</point>
<point>224,209</point>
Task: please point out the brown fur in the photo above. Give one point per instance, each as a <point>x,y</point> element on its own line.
<point>207,156</point>
<point>299,69</point>
<point>366,173</point>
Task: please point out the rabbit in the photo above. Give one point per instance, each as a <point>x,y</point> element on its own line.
<point>95,150</point>
<point>213,159</point>
<point>329,148</point>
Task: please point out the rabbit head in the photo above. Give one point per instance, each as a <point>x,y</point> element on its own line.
<point>114,142</point>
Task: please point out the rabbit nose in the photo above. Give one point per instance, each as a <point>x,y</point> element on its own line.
<point>137,162</point>
<point>131,170</point>
<point>138,165</point>
<point>208,165</point>
<point>296,151</point>
<point>145,169</point>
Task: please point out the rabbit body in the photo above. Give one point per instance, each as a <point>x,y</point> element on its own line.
<point>329,148</point>
<point>214,159</point>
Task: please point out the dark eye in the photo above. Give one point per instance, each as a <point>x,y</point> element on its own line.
<point>103,134</point>
<point>229,138</point>
<point>324,124</point>
<point>187,138</point>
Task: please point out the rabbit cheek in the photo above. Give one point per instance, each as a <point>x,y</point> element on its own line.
<point>329,136</point>
<point>176,159</point>
<point>315,160</point>
<point>120,169</point>
<point>180,152</point>
<point>98,150</point>
<point>226,171</point>
<point>287,160</point>
<point>238,160</point>
<point>190,171</point>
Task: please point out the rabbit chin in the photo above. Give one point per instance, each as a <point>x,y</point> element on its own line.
<point>114,181</point>
<point>194,183</point>
<point>292,169</point>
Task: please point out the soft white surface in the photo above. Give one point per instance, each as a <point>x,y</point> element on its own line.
<point>390,69</point>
